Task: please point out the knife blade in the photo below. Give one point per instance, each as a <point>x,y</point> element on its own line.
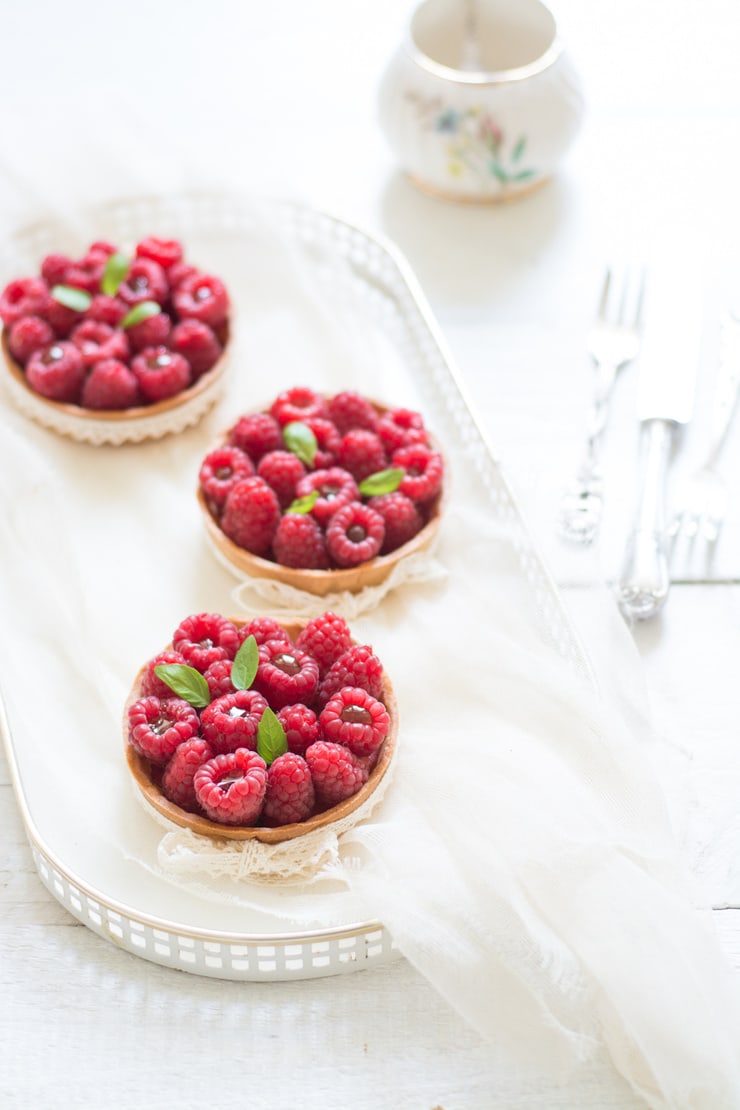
<point>667,374</point>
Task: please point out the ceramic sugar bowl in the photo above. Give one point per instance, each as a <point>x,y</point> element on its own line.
<point>480,101</point>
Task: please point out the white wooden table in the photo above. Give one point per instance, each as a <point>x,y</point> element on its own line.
<point>281,99</point>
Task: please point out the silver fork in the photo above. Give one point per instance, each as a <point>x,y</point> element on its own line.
<point>613,342</point>
<point>704,498</point>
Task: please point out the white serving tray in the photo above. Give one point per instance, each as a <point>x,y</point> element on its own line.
<point>133,907</point>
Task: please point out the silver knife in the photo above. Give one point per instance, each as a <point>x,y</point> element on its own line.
<point>669,362</point>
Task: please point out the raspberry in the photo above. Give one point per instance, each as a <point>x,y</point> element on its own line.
<point>402,519</point>
<point>218,677</point>
<point>56,371</point>
<point>158,725</point>
<point>202,297</point>
<point>145,281</point>
<point>336,487</point>
<point>357,667</point>
<point>290,795</point>
<point>281,470</point>
<point>357,720</point>
<point>257,434</point>
<point>97,341</point>
<point>251,515</point>
<point>400,427</point>
<point>197,343</point>
<point>27,335</point>
<point>178,775</point>
<point>54,268</point>
<point>220,470</point>
<point>351,410</point>
<point>154,331</point>
<point>23,297</point>
<point>424,468</point>
<point>165,252</point>
<point>205,637</point>
<point>355,534</point>
<point>110,385</point>
<point>325,638</point>
<point>299,542</point>
<point>337,773</point>
<point>231,721</point>
<point>264,629</point>
<point>161,373</point>
<point>231,787</point>
<point>108,310</point>
<point>101,248</point>
<point>61,318</point>
<point>362,453</point>
<point>328,441</point>
<point>299,403</point>
<point>151,685</point>
<point>86,273</point>
<point>178,272</point>
<point>286,677</point>
<point>301,727</point>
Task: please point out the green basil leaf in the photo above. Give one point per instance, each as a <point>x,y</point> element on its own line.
<point>299,439</point>
<point>271,738</point>
<point>71,297</point>
<point>116,270</point>
<point>245,664</point>
<point>141,311</point>
<point>186,682</point>
<point>382,481</point>
<point>304,504</point>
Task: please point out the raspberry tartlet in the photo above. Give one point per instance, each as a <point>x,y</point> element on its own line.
<point>322,493</point>
<point>298,734</point>
<point>115,346</point>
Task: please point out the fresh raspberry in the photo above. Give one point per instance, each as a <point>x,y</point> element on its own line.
<point>424,471</point>
<point>282,470</point>
<point>101,248</point>
<point>61,318</point>
<point>23,297</point>
<point>301,727</point>
<point>154,331</point>
<point>56,371</point>
<point>54,268</point>
<point>336,487</point>
<point>290,795</point>
<point>286,677</point>
<point>219,472</point>
<point>197,343</point>
<point>110,385</point>
<point>230,788</point>
<point>231,721</point>
<point>251,515</point>
<point>145,281</point>
<point>326,637</point>
<point>151,685</point>
<point>354,534</point>
<point>359,666</point>
<point>298,403</point>
<point>256,434</point>
<point>178,272</point>
<point>299,542</point>
<point>178,775</point>
<point>27,335</point>
<point>337,773</point>
<point>218,677</point>
<point>108,310</point>
<point>357,720</point>
<point>97,341</point>
<point>350,410</point>
<point>264,629</point>
<point>362,453</point>
<point>161,373</point>
<point>86,273</point>
<point>205,637</point>
<point>202,297</point>
<point>165,252</point>
<point>402,519</point>
<point>401,427</point>
<point>328,441</point>
<point>157,725</point>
